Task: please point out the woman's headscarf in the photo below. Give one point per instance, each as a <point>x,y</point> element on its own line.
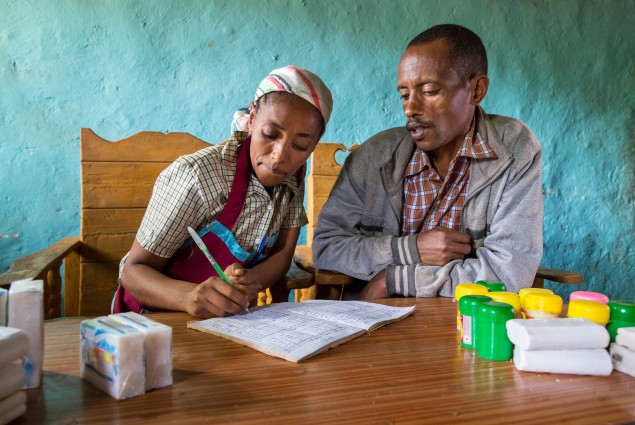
<point>297,81</point>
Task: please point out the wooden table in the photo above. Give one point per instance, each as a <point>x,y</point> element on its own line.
<point>412,371</point>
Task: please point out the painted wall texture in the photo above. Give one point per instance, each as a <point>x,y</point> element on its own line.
<point>564,67</point>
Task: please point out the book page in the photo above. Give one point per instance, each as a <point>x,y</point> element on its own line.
<point>365,315</point>
<point>276,332</point>
<point>296,331</point>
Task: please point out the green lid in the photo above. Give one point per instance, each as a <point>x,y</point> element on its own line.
<point>469,303</point>
<point>623,311</point>
<point>492,285</point>
<point>495,312</point>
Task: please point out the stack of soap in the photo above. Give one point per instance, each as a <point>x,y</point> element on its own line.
<point>26,312</point>
<point>623,351</point>
<point>13,346</point>
<point>157,348</point>
<point>112,357</point>
<point>560,345</point>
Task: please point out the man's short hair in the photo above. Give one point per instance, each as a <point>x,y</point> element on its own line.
<point>466,50</point>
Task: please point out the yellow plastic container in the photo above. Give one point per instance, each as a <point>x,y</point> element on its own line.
<point>463,289</point>
<point>523,292</point>
<point>510,298</point>
<point>595,311</point>
<point>542,306</point>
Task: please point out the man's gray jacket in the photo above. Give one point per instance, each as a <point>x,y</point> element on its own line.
<point>359,227</point>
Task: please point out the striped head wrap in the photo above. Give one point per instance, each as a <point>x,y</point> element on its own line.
<point>297,81</point>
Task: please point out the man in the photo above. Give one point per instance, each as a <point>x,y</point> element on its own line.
<point>453,197</point>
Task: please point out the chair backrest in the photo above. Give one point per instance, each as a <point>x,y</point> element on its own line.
<point>323,173</point>
<point>116,183</point>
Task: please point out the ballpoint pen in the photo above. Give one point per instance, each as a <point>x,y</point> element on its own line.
<point>261,249</point>
<point>199,242</point>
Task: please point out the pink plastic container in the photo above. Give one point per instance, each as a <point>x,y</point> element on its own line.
<point>588,295</point>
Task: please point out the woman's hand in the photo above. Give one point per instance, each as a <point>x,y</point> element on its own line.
<point>215,298</point>
<point>245,280</point>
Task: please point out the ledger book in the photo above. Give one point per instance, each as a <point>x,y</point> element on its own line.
<point>297,331</point>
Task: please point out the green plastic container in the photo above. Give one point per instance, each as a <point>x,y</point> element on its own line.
<point>492,285</point>
<point>492,342</point>
<point>622,316</point>
<point>468,305</point>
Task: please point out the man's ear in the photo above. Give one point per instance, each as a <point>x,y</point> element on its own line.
<point>479,84</point>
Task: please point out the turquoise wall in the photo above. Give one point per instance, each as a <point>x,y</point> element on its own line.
<point>118,67</point>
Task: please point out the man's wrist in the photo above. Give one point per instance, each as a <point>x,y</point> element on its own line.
<point>400,280</point>
<point>404,250</point>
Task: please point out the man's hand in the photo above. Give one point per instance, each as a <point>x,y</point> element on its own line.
<point>375,288</point>
<point>439,246</point>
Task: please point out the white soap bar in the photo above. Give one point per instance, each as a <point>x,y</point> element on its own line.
<point>576,362</point>
<point>626,337</point>
<point>112,357</point>
<point>11,379</point>
<point>557,334</point>
<point>623,359</point>
<point>13,345</point>
<point>26,312</point>
<point>4,296</point>
<point>11,407</point>
<point>157,348</point>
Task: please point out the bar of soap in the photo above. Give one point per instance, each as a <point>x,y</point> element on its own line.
<point>557,334</point>
<point>12,407</point>
<point>576,362</point>
<point>112,357</point>
<point>13,345</point>
<point>4,297</point>
<point>11,379</point>
<point>26,312</point>
<point>623,359</point>
<point>157,347</point>
<point>626,338</point>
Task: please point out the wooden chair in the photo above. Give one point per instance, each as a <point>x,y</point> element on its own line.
<point>324,171</point>
<point>116,184</point>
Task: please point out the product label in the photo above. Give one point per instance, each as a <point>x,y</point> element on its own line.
<point>466,333</point>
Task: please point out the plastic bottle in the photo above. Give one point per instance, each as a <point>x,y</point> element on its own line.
<point>542,306</point>
<point>593,310</point>
<point>510,298</point>
<point>622,316</point>
<point>492,285</point>
<point>468,305</point>
<point>588,295</point>
<point>523,293</point>
<point>466,289</point>
<point>492,342</point>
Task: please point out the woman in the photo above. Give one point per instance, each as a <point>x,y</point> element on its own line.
<point>243,197</point>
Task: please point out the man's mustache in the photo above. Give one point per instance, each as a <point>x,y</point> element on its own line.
<point>414,123</point>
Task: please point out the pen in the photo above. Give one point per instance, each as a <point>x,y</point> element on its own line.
<point>261,248</point>
<point>199,242</point>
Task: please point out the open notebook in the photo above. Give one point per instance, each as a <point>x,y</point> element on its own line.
<point>297,331</point>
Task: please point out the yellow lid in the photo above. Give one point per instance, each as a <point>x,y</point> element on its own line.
<point>593,310</point>
<point>526,291</point>
<point>510,298</point>
<point>549,303</point>
<point>469,289</point>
